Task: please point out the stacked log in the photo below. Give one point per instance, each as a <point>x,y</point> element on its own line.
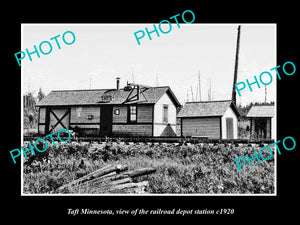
<point>111,179</point>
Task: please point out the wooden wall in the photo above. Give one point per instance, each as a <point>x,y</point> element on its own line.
<point>132,129</point>
<point>144,114</point>
<point>79,114</point>
<point>122,117</point>
<point>79,117</point>
<point>120,126</point>
<point>142,127</point>
<point>229,113</point>
<point>160,127</point>
<point>41,120</point>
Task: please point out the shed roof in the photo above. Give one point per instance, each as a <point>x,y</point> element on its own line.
<point>94,96</point>
<point>207,108</point>
<point>261,111</point>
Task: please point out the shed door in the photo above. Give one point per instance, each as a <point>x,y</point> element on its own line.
<point>229,128</point>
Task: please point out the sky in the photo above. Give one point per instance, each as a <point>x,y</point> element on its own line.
<point>102,52</point>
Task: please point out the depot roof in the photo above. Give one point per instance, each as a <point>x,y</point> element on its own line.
<point>106,96</point>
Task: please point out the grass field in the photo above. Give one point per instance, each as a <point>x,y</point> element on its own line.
<point>181,169</point>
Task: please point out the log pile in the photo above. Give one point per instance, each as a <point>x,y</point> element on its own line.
<point>110,179</point>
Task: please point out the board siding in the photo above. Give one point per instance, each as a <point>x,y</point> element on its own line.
<point>201,127</point>
<point>159,125</point>
<point>42,115</point>
<point>79,114</point>
<point>78,117</point>
<point>41,128</point>
<point>122,117</point>
<point>132,129</point>
<point>229,128</point>
<point>229,113</point>
<point>144,114</point>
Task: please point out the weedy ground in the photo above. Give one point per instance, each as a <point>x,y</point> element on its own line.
<point>192,168</point>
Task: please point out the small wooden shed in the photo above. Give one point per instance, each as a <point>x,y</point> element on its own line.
<point>262,121</point>
<point>212,119</point>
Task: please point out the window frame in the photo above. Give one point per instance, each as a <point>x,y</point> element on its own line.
<point>129,114</point>
<point>165,117</point>
<point>117,112</point>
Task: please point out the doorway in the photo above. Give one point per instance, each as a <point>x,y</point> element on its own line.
<point>106,121</point>
<point>229,128</point>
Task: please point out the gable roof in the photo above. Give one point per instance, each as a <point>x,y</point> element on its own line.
<point>95,97</point>
<point>261,111</point>
<point>208,108</point>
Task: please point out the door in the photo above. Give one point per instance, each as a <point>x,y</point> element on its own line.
<point>106,121</point>
<point>58,118</point>
<point>229,128</point>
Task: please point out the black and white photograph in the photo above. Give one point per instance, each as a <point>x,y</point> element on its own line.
<point>165,114</point>
<point>132,113</point>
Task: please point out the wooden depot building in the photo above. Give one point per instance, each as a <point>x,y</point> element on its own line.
<point>211,119</point>
<point>135,110</point>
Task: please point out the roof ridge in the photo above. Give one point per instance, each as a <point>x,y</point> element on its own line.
<point>81,90</point>
<point>101,89</point>
<point>209,101</point>
<point>93,96</point>
<point>263,105</point>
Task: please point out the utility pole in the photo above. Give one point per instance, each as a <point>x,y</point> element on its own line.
<point>236,66</point>
<point>90,82</point>
<point>192,93</point>
<point>187,95</point>
<point>199,86</point>
<point>132,75</point>
<point>209,91</point>
<point>265,94</point>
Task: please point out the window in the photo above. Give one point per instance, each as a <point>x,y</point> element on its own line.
<point>165,113</point>
<point>117,111</point>
<point>132,113</point>
<point>89,117</point>
<point>106,98</point>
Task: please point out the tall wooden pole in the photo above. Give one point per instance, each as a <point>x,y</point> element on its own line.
<point>236,66</point>
<point>192,94</point>
<point>265,94</point>
<point>199,86</point>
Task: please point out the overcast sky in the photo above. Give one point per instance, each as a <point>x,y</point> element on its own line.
<point>103,52</point>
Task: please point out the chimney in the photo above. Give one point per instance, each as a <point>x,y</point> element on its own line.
<point>118,82</point>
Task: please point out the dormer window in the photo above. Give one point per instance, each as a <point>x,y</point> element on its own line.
<point>106,98</point>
